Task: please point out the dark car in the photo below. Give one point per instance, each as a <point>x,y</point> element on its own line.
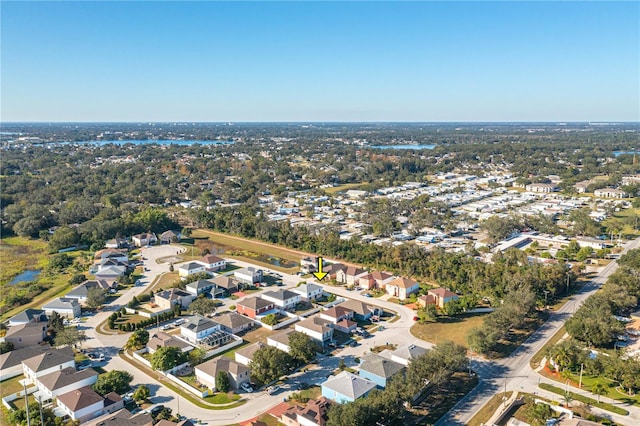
<point>303,386</point>
<point>156,410</point>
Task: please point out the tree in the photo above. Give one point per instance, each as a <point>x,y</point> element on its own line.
<point>537,414</point>
<point>19,416</point>
<point>6,347</point>
<point>594,323</point>
<point>222,381</point>
<point>141,394</point>
<point>63,237</point>
<point>203,306</point>
<point>138,339</point>
<point>166,358</point>
<point>196,356</point>
<point>69,336</point>
<point>598,389</point>
<point>77,279</point>
<point>269,363</point>
<point>452,308</point>
<point>270,319</point>
<point>60,261</point>
<point>56,322</point>
<point>96,297</point>
<point>113,381</point>
<point>302,348</point>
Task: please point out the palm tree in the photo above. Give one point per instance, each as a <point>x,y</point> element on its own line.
<point>567,399</point>
<point>598,389</point>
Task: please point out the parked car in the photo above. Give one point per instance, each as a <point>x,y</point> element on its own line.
<point>246,387</point>
<point>154,411</point>
<point>273,389</point>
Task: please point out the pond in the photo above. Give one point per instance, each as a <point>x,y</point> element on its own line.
<point>26,276</point>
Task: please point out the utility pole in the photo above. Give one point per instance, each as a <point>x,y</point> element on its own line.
<point>545,299</point>
<point>581,370</point>
<point>26,403</point>
<point>40,407</point>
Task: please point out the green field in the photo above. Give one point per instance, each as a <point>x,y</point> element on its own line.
<point>454,329</point>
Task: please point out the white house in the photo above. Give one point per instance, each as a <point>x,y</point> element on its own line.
<point>402,287</point>
<point>405,354</point>
<point>191,268</point>
<point>245,355</point>
<point>319,329</point>
<point>284,299</point>
<point>309,291</point>
<point>47,362</point>
<point>146,239</point>
<point>237,373</point>
<point>280,340</point>
<point>249,275</point>
<point>81,404</point>
<point>197,328</point>
<point>66,380</point>
<point>213,263</point>
<point>64,306</point>
<point>610,193</point>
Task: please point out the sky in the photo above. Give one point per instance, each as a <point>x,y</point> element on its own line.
<point>320,61</point>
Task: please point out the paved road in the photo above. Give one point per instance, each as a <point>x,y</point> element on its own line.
<point>515,373</point>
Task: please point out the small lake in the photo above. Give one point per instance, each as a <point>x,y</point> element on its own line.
<point>26,276</point>
<point>617,153</point>
<point>403,146</point>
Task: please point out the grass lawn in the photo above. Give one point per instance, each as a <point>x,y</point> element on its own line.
<point>222,398</point>
<point>488,409</point>
<point>625,221</point>
<point>591,401</point>
<point>165,281</point>
<point>9,386</point>
<point>454,329</point>
<point>268,419</point>
<point>345,187</point>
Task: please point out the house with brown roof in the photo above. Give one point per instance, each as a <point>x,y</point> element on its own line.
<point>333,269</point>
<point>350,275</point>
<point>375,279</point>
<point>254,306</point>
<point>402,287</point>
<point>320,330</point>
<point>336,314</point>
<point>424,300</point>
<point>313,413</point>
<point>174,296</point>
<point>234,323</point>
<point>226,283</point>
<point>168,237</point>
<point>66,380</point>
<point>245,355</point>
<point>237,373</point>
<point>81,404</point>
<point>213,263</point>
<point>361,310</point>
<point>280,340</point>
<point>346,326</point>
<point>164,340</point>
<point>145,239</point>
<point>46,363</point>
<point>442,296</point>
<point>123,418</point>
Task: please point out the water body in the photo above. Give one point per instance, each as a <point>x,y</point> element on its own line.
<point>403,146</point>
<point>26,276</point>
<point>617,153</point>
<point>151,141</point>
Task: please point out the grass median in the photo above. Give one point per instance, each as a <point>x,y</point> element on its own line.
<point>587,400</point>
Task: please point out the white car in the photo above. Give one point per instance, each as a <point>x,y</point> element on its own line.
<point>246,387</point>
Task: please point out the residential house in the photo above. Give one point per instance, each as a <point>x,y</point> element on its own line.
<point>110,272</point>
<point>245,355</point>
<point>174,296</point>
<point>199,287</point>
<point>374,280</point>
<point>309,264</point>
<point>424,300</point>
<point>610,193</point>
<point>81,292</point>
<point>254,306</point>
<point>442,296</point>
<point>119,256</point>
<point>191,268</point>
<point>346,326</point>
<point>213,263</point>
<point>280,340</point>
<point>226,283</point>
<point>346,387</point>
<point>581,187</point>
<point>145,239</point>
<point>25,335</point>
<point>11,362</point>
<point>28,315</point>
<point>66,380</point>
<point>333,269</point>
<point>350,275</point>
<point>46,363</point>
<point>198,328</point>
<point>164,340</point>
<point>249,275</point>
<point>544,188</point>
<point>379,369</point>
<point>405,354</point>
<point>123,418</point>
<point>65,307</point>
<point>237,373</point>
<point>81,404</point>
<point>168,237</point>
<point>309,292</point>
<point>593,243</point>
<point>336,314</point>
<point>116,243</point>
<point>283,299</point>
<point>402,287</point>
<point>313,413</point>
<point>234,323</point>
<point>361,310</point>
<point>320,330</point>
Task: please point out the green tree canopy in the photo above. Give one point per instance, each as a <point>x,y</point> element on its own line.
<point>113,381</point>
<point>138,339</point>
<point>222,381</point>
<point>302,348</point>
<point>166,358</point>
<point>269,363</point>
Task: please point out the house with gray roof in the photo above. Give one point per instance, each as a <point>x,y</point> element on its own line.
<point>284,299</point>
<point>361,310</point>
<point>234,323</point>
<point>379,369</point>
<point>81,292</point>
<point>199,287</point>
<point>346,387</point>
<point>28,315</point>
<point>62,381</point>
<point>245,355</point>
<point>405,354</point>
<point>64,306</point>
<point>309,291</point>
<point>25,335</point>
<point>81,404</point>
<point>11,362</point>
<point>226,283</point>
<point>198,328</point>
<point>46,363</point>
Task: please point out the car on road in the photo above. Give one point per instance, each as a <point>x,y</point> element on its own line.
<point>415,318</point>
<point>246,387</point>
<point>303,386</point>
<point>273,389</point>
<point>155,410</point>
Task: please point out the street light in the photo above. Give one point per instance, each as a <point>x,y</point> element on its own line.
<point>545,298</point>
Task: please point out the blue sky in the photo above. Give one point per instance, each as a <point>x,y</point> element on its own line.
<point>320,61</point>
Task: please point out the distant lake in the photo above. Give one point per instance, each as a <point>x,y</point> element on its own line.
<point>152,141</point>
<point>617,153</point>
<point>26,276</point>
<point>403,146</point>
